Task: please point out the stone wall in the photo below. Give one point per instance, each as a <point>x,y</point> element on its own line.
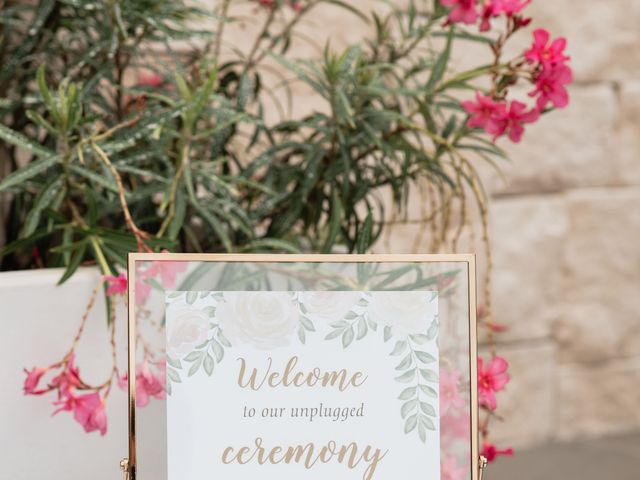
<point>565,230</point>
<point>565,227</point>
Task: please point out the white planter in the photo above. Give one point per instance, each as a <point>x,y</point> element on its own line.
<point>39,321</point>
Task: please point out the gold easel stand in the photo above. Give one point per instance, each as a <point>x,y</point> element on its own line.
<point>124,466</point>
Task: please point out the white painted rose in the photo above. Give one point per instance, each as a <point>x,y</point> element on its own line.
<point>328,306</point>
<point>187,329</point>
<point>406,311</point>
<point>264,319</point>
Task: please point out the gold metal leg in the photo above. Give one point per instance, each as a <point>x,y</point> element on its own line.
<point>482,464</point>
<point>124,466</point>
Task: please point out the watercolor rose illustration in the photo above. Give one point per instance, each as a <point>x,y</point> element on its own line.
<point>328,305</point>
<point>264,319</point>
<point>407,312</point>
<point>189,328</point>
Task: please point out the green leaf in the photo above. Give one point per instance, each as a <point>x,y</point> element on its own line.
<point>408,393</point>
<point>193,356</point>
<point>192,297</point>
<point>173,363</point>
<point>173,375</point>
<point>334,334</point>
<point>410,424</point>
<point>301,334</point>
<point>208,364</point>
<point>405,363</point>
<point>306,323</point>
<point>400,347</point>
<point>29,171</point>
<point>43,200</point>
<point>387,333</point>
<point>75,261</point>
<point>429,375</point>
<point>347,337</point>
<point>218,351</point>
<point>425,357</point>
<point>362,329</point>
<point>408,407</point>
<point>407,376</point>
<point>441,63</point>
<point>334,222</point>
<point>427,390</point>
<point>427,409</point>
<point>15,138</point>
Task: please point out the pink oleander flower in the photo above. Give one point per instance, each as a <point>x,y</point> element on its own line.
<point>148,383</point>
<point>551,86</point>
<point>116,284</point>
<point>463,11</point>
<point>33,379</point>
<point>88,411</point>
<point>484,111</point>
<point>495,8</point>
<point>450,470</point>
<point>152,80</point>
<point>455,426</point>
<point>491,380</point>
<point>168,272</point>
<point>68,378</point>
<point>449,394</point>
<point>511,121</point>
<point>490,452</point>
<point>545,53</point>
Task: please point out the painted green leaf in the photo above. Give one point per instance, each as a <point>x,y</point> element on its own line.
<point>408,407</point>
<point>362,328</point>
<point>419,338</point>
<point>408,393</point>
<point>301,334</point>
<point>427,409</point>
<point>173,363</point>
<point>173,375</point>
<point>405,363</point>
<point>217,349</point>
<point>387,333</point>
<point>427,390</point>
<point>208,364</point>
<point>193,356</point>
<point>223,340</point>
<point>307,324</point>
<point>347,337</point>
<point>192,297</point>
<point>410,424</point>
<point>400,347</point>
<point>334,334</point>
<point>429,375</point>
<point>425,357</point>
<point>407,376</point>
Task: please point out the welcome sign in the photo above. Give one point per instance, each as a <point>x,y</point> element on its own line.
<point>302,385</point>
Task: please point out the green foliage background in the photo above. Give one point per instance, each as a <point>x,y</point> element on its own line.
<point>100,166</point>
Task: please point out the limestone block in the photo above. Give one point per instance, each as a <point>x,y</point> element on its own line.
<point>527,403</point>
<point>598,399</point>
<point>570,147</point>
<point>527,236</point>
<point>601,276</point>
<point>603,35</point>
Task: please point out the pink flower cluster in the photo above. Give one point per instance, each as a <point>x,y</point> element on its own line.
<point>166,272</point>
<point>468,11</point>
<point>296,5</point>
<point>550,76</point>
<point>148,383</point>
<point>88,408</point>
<point>491,379</point>
<point>544,64</point>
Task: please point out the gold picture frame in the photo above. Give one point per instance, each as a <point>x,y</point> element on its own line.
<point>129,465</point>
